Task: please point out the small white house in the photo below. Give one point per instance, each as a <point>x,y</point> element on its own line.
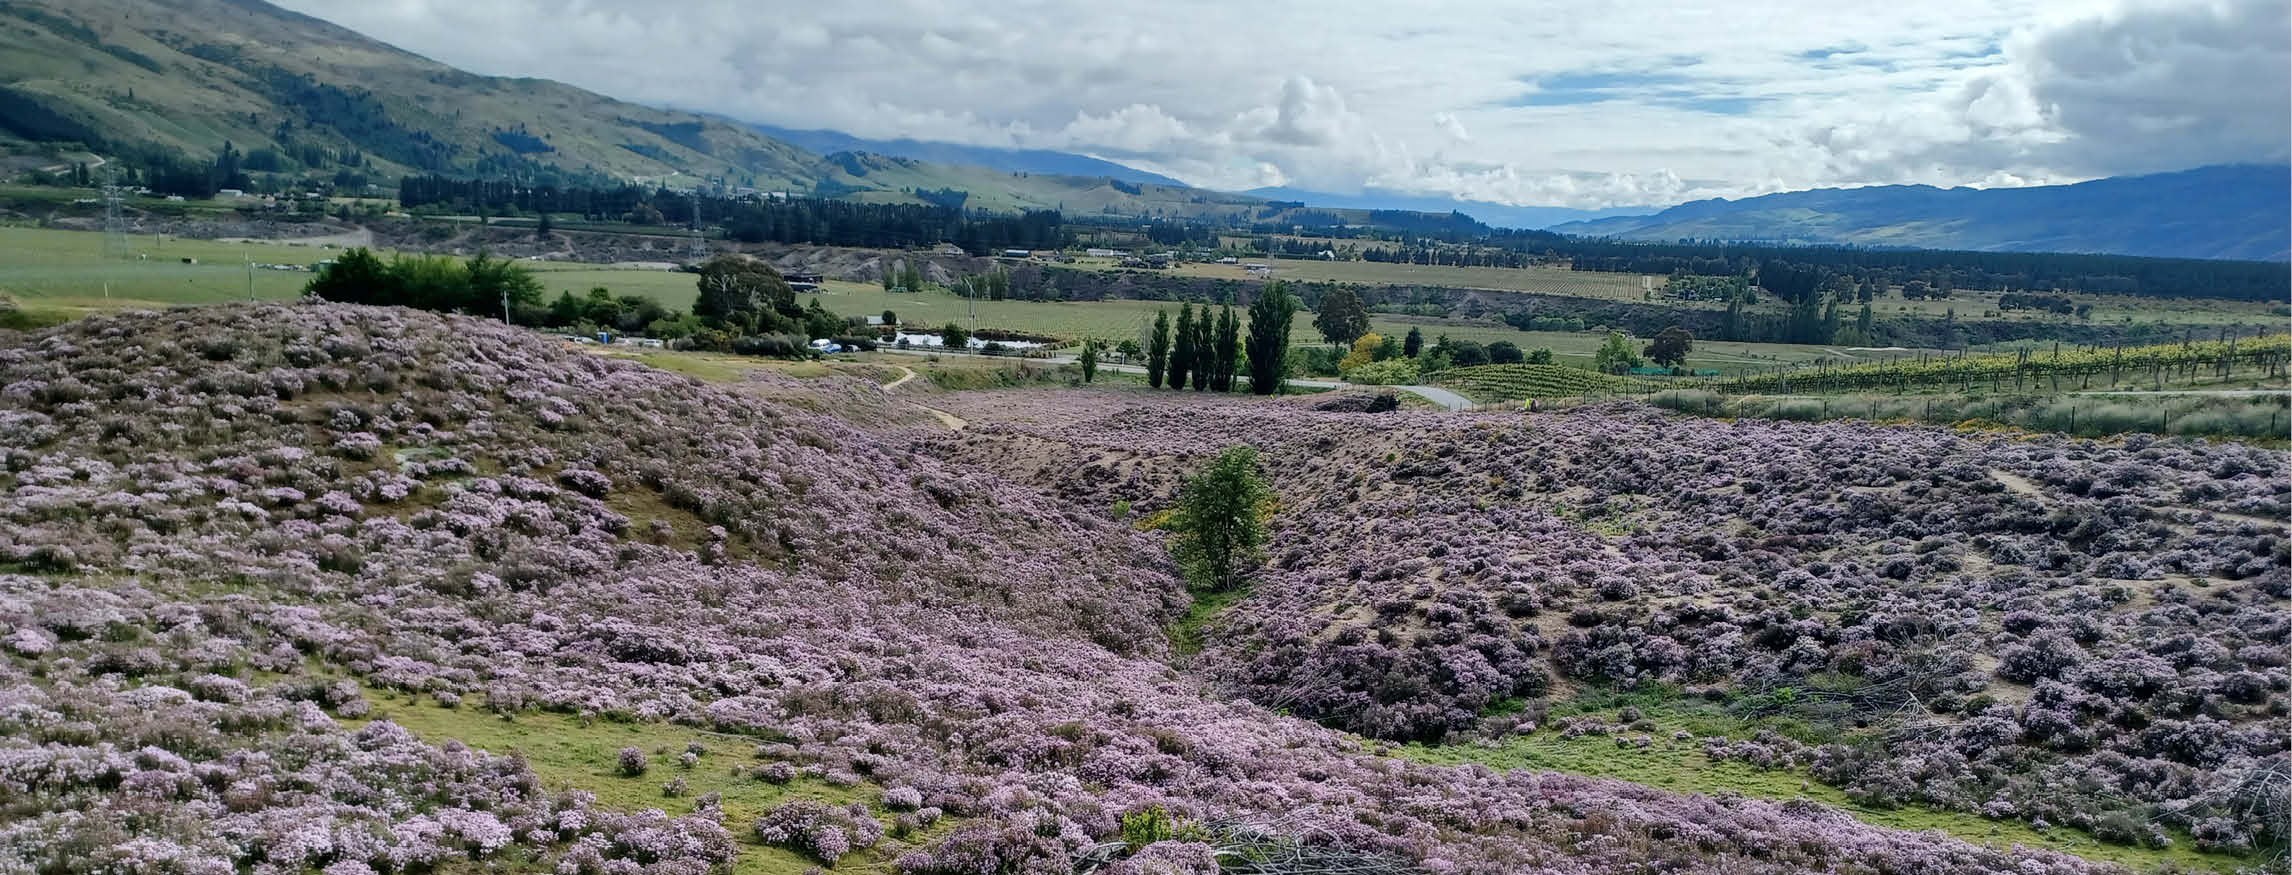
<point>1017,253</point>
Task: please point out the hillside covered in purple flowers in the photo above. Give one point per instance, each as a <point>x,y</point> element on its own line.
<point>2053,631</point>
<point>236,543</point>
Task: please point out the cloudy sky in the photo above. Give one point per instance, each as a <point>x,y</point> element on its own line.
<point>1583,103</point>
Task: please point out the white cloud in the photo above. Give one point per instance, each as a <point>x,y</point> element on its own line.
<point>1563,102</point>
<point>1448,124</point>
<point>2134,89</point>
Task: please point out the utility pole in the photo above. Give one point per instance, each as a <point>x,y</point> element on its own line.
<point>114,224</point>
<point>249,258</point>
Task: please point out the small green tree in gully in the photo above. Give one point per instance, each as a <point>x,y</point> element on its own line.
<point>1158,349</point>
<point>1089,360</point>
<point>1616,355</point>
<point>1415,344</point>
<point>1268,347</point>
<point>887,275</point>
<point>1217,521</point>
<point>1671,346</point>
<point>954,337</point>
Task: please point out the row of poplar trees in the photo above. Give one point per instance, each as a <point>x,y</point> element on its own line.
<point>1207,349</point>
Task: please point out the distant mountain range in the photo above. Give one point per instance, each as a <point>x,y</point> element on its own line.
<point>2233,212</point>
<point>1498,215</point>
<point>1010,160</point>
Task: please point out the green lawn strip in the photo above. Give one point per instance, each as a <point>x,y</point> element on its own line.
<point>1187,633</point>
<point>566,754</point>
<point>1682,767</point>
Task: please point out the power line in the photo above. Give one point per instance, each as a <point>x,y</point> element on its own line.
<point>114,223</point>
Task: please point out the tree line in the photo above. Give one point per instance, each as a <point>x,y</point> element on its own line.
<point>742,304</point>
<point>1457,239</point>
<point>1209,351</point>
<point>806,220</point>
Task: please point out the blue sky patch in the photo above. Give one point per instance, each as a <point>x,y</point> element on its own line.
<point>1646,87</point>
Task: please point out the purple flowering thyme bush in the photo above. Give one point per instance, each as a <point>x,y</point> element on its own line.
<point>205,560</point>
<point>2050,629</point>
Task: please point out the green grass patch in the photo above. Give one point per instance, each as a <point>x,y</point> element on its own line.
<point>567,752</point>
<point>1186,634</point>
<point>1682,767</point>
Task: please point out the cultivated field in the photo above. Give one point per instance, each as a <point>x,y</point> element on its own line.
<point>66,270</point>
<point>1547,280</point>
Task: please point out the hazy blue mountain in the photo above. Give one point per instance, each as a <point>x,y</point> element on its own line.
<point>1013,160</point>
<point>2225,212</point>
<point>1499,215</point>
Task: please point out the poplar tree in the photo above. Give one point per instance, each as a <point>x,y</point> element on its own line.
<point>1229,342</point>
<point>1158,349</point>
<point>1182,348</point>
<point>1205,349</point>
<point>1269,322</point>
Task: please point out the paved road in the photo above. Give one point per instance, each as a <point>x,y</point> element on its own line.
<point>1434,394</point>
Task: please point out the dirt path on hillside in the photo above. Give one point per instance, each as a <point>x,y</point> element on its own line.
<point>953,422</point>
<point>2020,484</point>
<point>906,374</point>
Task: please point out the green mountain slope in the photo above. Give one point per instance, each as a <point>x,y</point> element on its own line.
<point>146,80</point>
<point>185,76</point>
<point>2224,212</point>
